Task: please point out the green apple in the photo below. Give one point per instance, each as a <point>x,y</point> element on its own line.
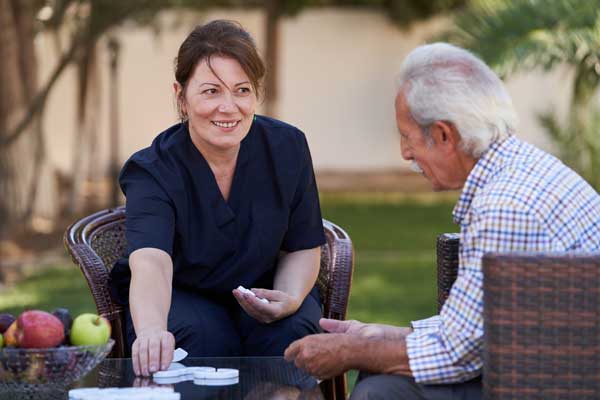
<point>1,341</point>
<point>90,329</point>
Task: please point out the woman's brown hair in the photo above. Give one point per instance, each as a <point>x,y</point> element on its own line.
<point>218,38</point>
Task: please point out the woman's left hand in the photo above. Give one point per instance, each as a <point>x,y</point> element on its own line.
<point>280,304</point>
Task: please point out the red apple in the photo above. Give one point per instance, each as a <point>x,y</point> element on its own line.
<point>90,329</point>
<point>37,329</point>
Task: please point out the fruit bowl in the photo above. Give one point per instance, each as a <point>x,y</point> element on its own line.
<point>31,369</point>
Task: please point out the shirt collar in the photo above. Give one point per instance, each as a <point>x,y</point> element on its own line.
<point>485,168</point>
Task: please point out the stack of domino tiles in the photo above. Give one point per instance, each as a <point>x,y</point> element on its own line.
<point>207,376</point>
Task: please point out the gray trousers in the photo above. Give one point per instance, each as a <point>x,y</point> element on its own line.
<point>388,387</point>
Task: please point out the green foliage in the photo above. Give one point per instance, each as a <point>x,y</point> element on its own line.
<point>402,12</point>
<point>405,12</point>
<point>579,143</point>
<point>522,35</point>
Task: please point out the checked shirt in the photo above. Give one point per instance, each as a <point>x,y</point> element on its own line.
<point>516,198</point>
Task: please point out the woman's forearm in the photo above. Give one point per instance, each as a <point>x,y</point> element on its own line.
<point>150,288</point>
<point>297,272</point>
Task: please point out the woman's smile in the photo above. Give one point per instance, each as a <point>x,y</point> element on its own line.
<point>226,125</point>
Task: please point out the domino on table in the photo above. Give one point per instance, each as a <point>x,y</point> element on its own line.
<point>220,377</point>
<point>200,375</point>
<point>179,354</point>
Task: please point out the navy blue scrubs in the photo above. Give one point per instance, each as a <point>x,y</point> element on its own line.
<point>174,204</point>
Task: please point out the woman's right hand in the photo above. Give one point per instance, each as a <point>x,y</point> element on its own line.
<point>149,302</point>
<point>152,351</point>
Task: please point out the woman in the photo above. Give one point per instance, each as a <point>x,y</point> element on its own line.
<point>223,199</point>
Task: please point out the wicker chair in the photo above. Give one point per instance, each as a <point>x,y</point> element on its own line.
<point>97,241</point>
<point>541,322</point>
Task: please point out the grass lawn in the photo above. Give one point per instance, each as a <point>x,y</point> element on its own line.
<point>394,278</point>
<point>52,287</point>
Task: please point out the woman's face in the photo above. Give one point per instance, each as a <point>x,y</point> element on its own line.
<point>219,105</point>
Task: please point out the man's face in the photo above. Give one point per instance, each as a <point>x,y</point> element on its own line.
<point>438,157</point>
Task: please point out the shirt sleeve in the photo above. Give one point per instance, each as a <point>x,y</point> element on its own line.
<point>150,216</point>
<point>427,323</point>
<point>305,226</point>
<point>448,349</point>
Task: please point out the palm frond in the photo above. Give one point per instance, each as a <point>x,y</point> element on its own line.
<point>523,34</point>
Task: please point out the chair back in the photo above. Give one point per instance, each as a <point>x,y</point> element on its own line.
<point>447,265</point>
<point>541,322</point>
<point>542,326</point>
<point>95,243</point>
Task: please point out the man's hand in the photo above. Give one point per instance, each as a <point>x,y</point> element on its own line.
<point>351,344</point>
<point>372,331</point>
<point>323,355</point>
<point>352,327</point>
<point>280,304</point>
<point>152,351</point>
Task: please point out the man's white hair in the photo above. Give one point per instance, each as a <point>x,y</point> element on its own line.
<point>442,82</point>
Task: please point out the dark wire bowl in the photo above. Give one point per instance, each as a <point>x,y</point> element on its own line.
<point>43,369</point>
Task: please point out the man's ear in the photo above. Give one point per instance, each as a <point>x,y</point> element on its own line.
<point>444,134</point>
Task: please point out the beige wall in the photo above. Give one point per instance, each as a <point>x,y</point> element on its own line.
<point>336,75</point>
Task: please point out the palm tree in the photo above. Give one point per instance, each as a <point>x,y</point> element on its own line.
<point>525,34</point>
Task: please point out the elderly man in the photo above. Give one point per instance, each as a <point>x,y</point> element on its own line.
<point>457,123</point>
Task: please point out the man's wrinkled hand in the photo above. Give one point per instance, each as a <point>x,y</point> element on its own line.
<point>371,331</point>
<point>323,355</point>
<point>352,327</point>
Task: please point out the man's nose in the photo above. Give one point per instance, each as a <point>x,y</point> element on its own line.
<point>404,151</point>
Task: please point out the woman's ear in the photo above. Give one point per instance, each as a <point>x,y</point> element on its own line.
<point>178,89</point>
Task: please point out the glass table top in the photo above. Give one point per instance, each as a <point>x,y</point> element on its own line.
<point>259,378</point>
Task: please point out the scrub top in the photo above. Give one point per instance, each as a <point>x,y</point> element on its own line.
<point>174,204</point>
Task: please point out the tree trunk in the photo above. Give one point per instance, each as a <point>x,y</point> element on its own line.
<point>86,123</point>
<point>20,159</point>
<point>39,202</point>
<point>115,164</point>
<point>273,14</point>
<point>92,118</point>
